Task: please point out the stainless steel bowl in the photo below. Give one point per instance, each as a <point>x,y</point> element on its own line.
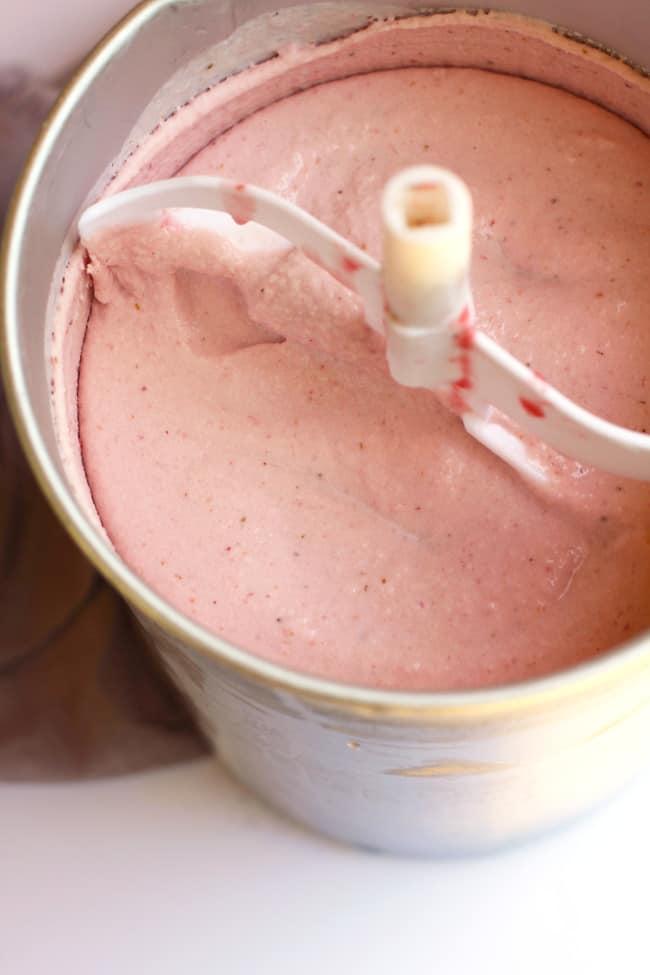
<point>404,772</point>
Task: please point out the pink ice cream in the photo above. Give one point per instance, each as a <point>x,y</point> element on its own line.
<point>250,457</point>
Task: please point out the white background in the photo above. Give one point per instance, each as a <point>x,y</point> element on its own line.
<point>49,36</point>
<point>181,872</point>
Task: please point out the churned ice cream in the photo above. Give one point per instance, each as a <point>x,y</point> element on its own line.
<point>249,455</point>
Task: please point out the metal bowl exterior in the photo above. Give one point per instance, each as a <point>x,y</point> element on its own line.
<point>441,774</point>
<point>456,782</point>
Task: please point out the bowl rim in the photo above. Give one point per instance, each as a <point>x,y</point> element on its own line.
<point>599,675</point>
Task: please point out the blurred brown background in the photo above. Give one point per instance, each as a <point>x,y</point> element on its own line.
<point>80,695</point>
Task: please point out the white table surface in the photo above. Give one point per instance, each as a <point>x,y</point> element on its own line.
<point>181,871</point>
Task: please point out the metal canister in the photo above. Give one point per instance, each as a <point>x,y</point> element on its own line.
<point>419,773</point>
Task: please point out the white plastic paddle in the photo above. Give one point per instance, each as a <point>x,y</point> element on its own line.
<point>420,299</point>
